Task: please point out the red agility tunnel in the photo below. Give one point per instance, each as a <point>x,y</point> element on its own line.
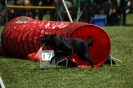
<point>20,37</point>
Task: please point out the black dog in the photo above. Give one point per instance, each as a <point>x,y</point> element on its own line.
<point>65,47</point>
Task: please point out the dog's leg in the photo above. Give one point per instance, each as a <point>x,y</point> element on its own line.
<point>53,58</point>
<point>70,54</point>
<point>85,57</point>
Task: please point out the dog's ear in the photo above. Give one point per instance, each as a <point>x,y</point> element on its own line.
<point>57,40</point>
<point>40,39</point>
<point>54,35</point>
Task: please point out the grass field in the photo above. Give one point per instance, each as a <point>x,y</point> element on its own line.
<point>17,73</point>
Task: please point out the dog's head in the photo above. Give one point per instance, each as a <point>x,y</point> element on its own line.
<point>48,40</point>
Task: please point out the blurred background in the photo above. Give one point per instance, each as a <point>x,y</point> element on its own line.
<point>111,12</point>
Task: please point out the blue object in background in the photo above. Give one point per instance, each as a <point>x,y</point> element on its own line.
<point>99,20</point>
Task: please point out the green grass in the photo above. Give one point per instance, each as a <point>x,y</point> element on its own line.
<point>17,73</point>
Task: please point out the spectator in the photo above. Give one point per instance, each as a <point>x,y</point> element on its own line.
<point>17,12</point>
<point>129,4</point>
<point>2,10</point>
<point>124,7</point>
<point>88,10</point>
<point>113,15</point>
<point>21,12</point>
<point>103,6</point>
<point>41,12</point>
<point>61,8</point>
<point>28,10</point>
<point>34,11</point>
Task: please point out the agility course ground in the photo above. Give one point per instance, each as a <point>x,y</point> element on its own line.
<point>18,73</point>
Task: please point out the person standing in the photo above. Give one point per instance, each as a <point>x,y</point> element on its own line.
<point>2,10</point>
<point>41,12</point>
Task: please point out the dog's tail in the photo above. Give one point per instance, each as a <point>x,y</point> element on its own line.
<point>90,41</point>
